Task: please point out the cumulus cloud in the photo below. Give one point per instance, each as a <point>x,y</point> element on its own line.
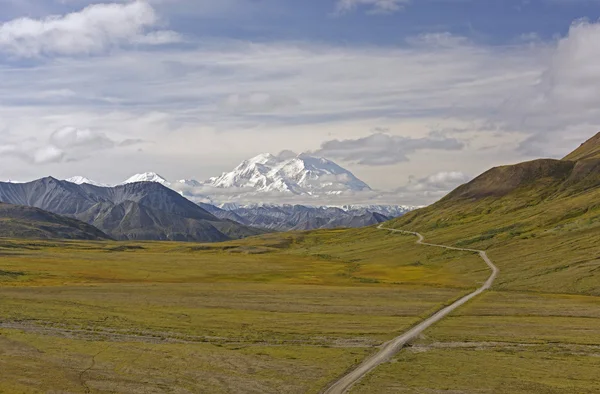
<point>442,181</point>
<point>72,137</point>
<point>48,154</point>
<point>375,6</point>
<point>562,106</point>
<point>64,144</point>
<point>92,30</point>
<point>34,155</point>
<point>384,149</point>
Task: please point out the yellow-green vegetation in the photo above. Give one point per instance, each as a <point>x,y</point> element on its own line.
<point>276,313</point>
<point>538,331</point>
<point>503,342</point>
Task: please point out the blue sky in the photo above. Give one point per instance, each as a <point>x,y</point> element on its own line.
<point>492,22</point>
<point>430,88</point>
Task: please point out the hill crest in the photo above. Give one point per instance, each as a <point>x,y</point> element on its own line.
<point>587,151</point>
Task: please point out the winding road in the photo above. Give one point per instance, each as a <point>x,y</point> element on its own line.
<point>392,347</point>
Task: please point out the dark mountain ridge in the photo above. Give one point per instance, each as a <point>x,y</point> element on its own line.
<point>577,172</point>
<point>142,211</point>
<point>298,217</point>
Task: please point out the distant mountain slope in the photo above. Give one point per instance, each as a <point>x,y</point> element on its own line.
<point>544,176</point>
<point>26,222</point>
<point>145,211</point>
<point>509,189</point>
<point>298,217</point>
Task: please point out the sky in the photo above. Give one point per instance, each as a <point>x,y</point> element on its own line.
<point>413,96</point>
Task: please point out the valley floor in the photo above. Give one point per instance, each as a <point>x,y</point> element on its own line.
<point>279,313</point>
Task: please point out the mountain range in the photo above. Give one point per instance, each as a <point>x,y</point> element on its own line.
<point>265,174</point>
<point>278,178</point>
<point>299,217</point>
<point>141,211</point>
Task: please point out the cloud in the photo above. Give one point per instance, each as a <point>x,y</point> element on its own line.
<point>444,39</point>
<point>287,154</point>
<point>92,30</point>
<point>158,38</point>
<point>561,107</point>
<point>42,155</point>
<point>257,102</point>
<point>64,144</point>
<point>375,6</point>
<point>384,149</point>
<point>131,142</point>
<point>443,182</point>
<point>431,188</point>
<point>48,154</point>
<point>72,137</point>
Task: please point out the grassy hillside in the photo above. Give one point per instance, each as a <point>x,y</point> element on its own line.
<point>25,222</point>
<point>539,221</point>
<point>539,329</point>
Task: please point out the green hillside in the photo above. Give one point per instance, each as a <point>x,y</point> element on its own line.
<point>539,220</point>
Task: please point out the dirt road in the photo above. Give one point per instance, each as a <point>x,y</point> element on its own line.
<point>389,349</point>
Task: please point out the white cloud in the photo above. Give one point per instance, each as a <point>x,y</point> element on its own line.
<point>375,6</point>
<point>442,181</point>
<point>92,30</point>
<point>561,107</point>
<point>72,137</point>
<point>48,154</point>
<point>66,144</point>
<point>158,38</point>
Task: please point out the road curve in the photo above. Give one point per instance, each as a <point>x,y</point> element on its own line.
<point>392,347</point>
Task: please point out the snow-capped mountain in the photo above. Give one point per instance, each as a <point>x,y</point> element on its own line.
<point>188,182</point>
<point>269,182</point>
<point>300,175</point>
<point>81,180</point>
<point>147,177</point>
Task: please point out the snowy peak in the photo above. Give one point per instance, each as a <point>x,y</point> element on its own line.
<point>188,182</point>
<point>147,177</point>
<point>81,180</point>
<point>300,175</point>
